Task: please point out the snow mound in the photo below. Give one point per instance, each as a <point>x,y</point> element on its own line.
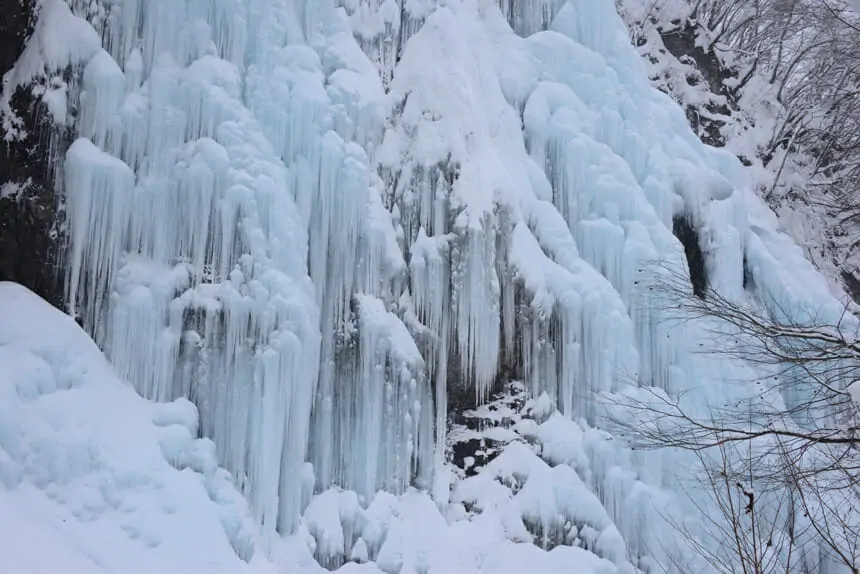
<point>95,478</point>
<point>410,534</point>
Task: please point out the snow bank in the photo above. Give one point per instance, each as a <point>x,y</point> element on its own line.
<point>409,534</point>
<point>92,477</point>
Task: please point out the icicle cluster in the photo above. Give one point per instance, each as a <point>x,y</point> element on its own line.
<point>316,221</point>
<point>230,242</point>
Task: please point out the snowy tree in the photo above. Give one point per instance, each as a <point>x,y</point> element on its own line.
<point>781,465</point>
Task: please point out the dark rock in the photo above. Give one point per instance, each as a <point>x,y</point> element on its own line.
<point>30,234</point>
<point>15,27</point>
<point>681,43</point>
<point>852,285</point>
<point>682,227</point>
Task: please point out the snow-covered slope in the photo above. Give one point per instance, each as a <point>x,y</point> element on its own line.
<point>93,478</point>
<point>328,226</point>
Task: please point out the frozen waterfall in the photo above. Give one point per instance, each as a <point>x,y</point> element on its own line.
<point>315,218</point>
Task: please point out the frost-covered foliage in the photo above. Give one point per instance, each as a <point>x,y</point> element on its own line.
<point>327,224</point>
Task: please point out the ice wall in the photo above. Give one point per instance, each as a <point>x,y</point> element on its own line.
<point>316,220</point>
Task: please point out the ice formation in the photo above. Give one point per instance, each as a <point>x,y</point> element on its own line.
<point>315,219</point>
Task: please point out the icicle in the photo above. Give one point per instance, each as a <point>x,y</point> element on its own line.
<point>475,299</point>
<point>100,192</point>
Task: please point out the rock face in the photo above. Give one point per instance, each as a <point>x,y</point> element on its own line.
<point>29,231</point>
<point>682,43</point>
<point>16,25</point>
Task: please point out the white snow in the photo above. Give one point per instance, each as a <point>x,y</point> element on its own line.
<point>11,190</point>
<point>854,392</point>
<point>60,39</point>
<point>95,478</point>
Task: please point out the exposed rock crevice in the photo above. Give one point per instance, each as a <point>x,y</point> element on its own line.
<point>30,233</point>
<point>682,227</point>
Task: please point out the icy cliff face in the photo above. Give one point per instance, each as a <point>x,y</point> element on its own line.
<point>316,221</point>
